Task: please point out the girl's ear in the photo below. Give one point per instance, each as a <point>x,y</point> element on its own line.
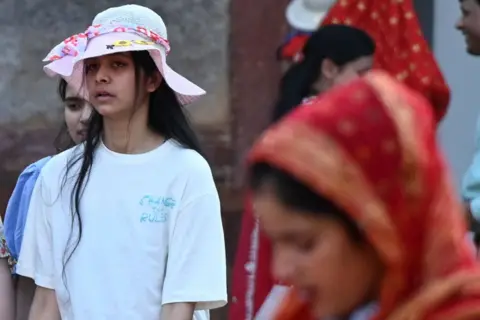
<point>329,69</point>
<point>154,82</point>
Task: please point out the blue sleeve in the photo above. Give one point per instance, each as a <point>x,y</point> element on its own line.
<point>471,180</point>
<point>17,207</point>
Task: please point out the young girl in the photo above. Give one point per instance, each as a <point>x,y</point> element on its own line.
<point>126,225</point>
<point>76,114</point>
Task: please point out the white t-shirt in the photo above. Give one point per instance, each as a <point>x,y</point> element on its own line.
<point>151,235</point>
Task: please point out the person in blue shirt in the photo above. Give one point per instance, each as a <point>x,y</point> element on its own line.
<point>77,112</point>
<point>469,25</point>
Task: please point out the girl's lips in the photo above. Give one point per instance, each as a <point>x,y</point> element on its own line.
<point>104,98</point>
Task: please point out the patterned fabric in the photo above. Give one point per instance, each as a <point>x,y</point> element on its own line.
<point>77,44</point>
<point>4,253</point>
<point>3,244</point>
<point>378,158</point>
<point>401,48</point>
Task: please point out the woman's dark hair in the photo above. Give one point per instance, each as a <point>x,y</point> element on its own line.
<point>294,194</point>
<point>165,117</point>
<point>339,43</point>
<point>63,140</point>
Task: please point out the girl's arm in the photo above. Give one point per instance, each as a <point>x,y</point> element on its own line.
<point>36,255</point>
<point>44,306</point>
<point>178,311</point>
<point>7,301</point>
<point>24,292</point>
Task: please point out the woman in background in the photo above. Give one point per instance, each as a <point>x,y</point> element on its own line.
<point>77,111</point>
<point>353,192</point>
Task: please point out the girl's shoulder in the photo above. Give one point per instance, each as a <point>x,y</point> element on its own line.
<point>59,161</point>
<point>36,167</point>
<point>30,174</point>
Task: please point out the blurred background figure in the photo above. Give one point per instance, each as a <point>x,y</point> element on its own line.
<point>469,25</point>
<point>303,17</point>
<point>351,40</point>
<point>76,111</point>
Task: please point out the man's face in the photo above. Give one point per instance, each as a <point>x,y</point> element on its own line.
<point>469,24</point>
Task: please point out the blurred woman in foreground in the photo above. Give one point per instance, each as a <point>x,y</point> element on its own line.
<point>355,196</point>
<point>332,55</point>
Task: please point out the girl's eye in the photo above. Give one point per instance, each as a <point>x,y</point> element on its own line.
<point>306,246</point>
<point>119,64</point>
<point>72,106</point>
<point>90,67</point>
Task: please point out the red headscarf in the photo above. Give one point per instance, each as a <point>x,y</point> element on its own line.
<point>401,48</point>
<point>403,52</point>
<point>377,157</point>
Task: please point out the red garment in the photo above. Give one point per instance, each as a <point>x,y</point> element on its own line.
<point>291,51</point>
<point>252,280</point>
<point>377,157</point>
<point>401,49</point>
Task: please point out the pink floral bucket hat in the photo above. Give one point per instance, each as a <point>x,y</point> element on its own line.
<point>120,29</point>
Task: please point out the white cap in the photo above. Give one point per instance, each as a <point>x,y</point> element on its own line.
<point>306,15</point>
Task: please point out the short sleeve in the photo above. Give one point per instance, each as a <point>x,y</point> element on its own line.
<point>36,254</point>
<point>196,267</point>
<point>16,213</point>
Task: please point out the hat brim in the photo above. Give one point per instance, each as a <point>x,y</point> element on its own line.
<point>71,69</point>
<point>301,18</point>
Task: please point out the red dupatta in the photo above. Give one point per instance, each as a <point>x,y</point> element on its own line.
<point>404,53</point>
<point>401,48</point>
<point>378,158</point>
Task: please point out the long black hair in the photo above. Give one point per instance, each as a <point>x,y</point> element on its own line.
<point>165,116</point>
<point>295,194</point>
<point>339,43</point>
<point>63,140</point>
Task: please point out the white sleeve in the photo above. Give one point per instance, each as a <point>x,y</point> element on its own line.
<point>196,265</point>
<point>36,254</point>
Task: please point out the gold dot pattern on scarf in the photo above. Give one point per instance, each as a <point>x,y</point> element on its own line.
<point>401,49</point>
<point>388,146</point>
<point>346,128</point>
<point>363,153</point>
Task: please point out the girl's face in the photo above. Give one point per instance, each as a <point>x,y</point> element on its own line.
<point>77,112</point>
<point>112,86</point>
<point>316,255</point>
<point>353,70</point>
<point>332,75</point>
